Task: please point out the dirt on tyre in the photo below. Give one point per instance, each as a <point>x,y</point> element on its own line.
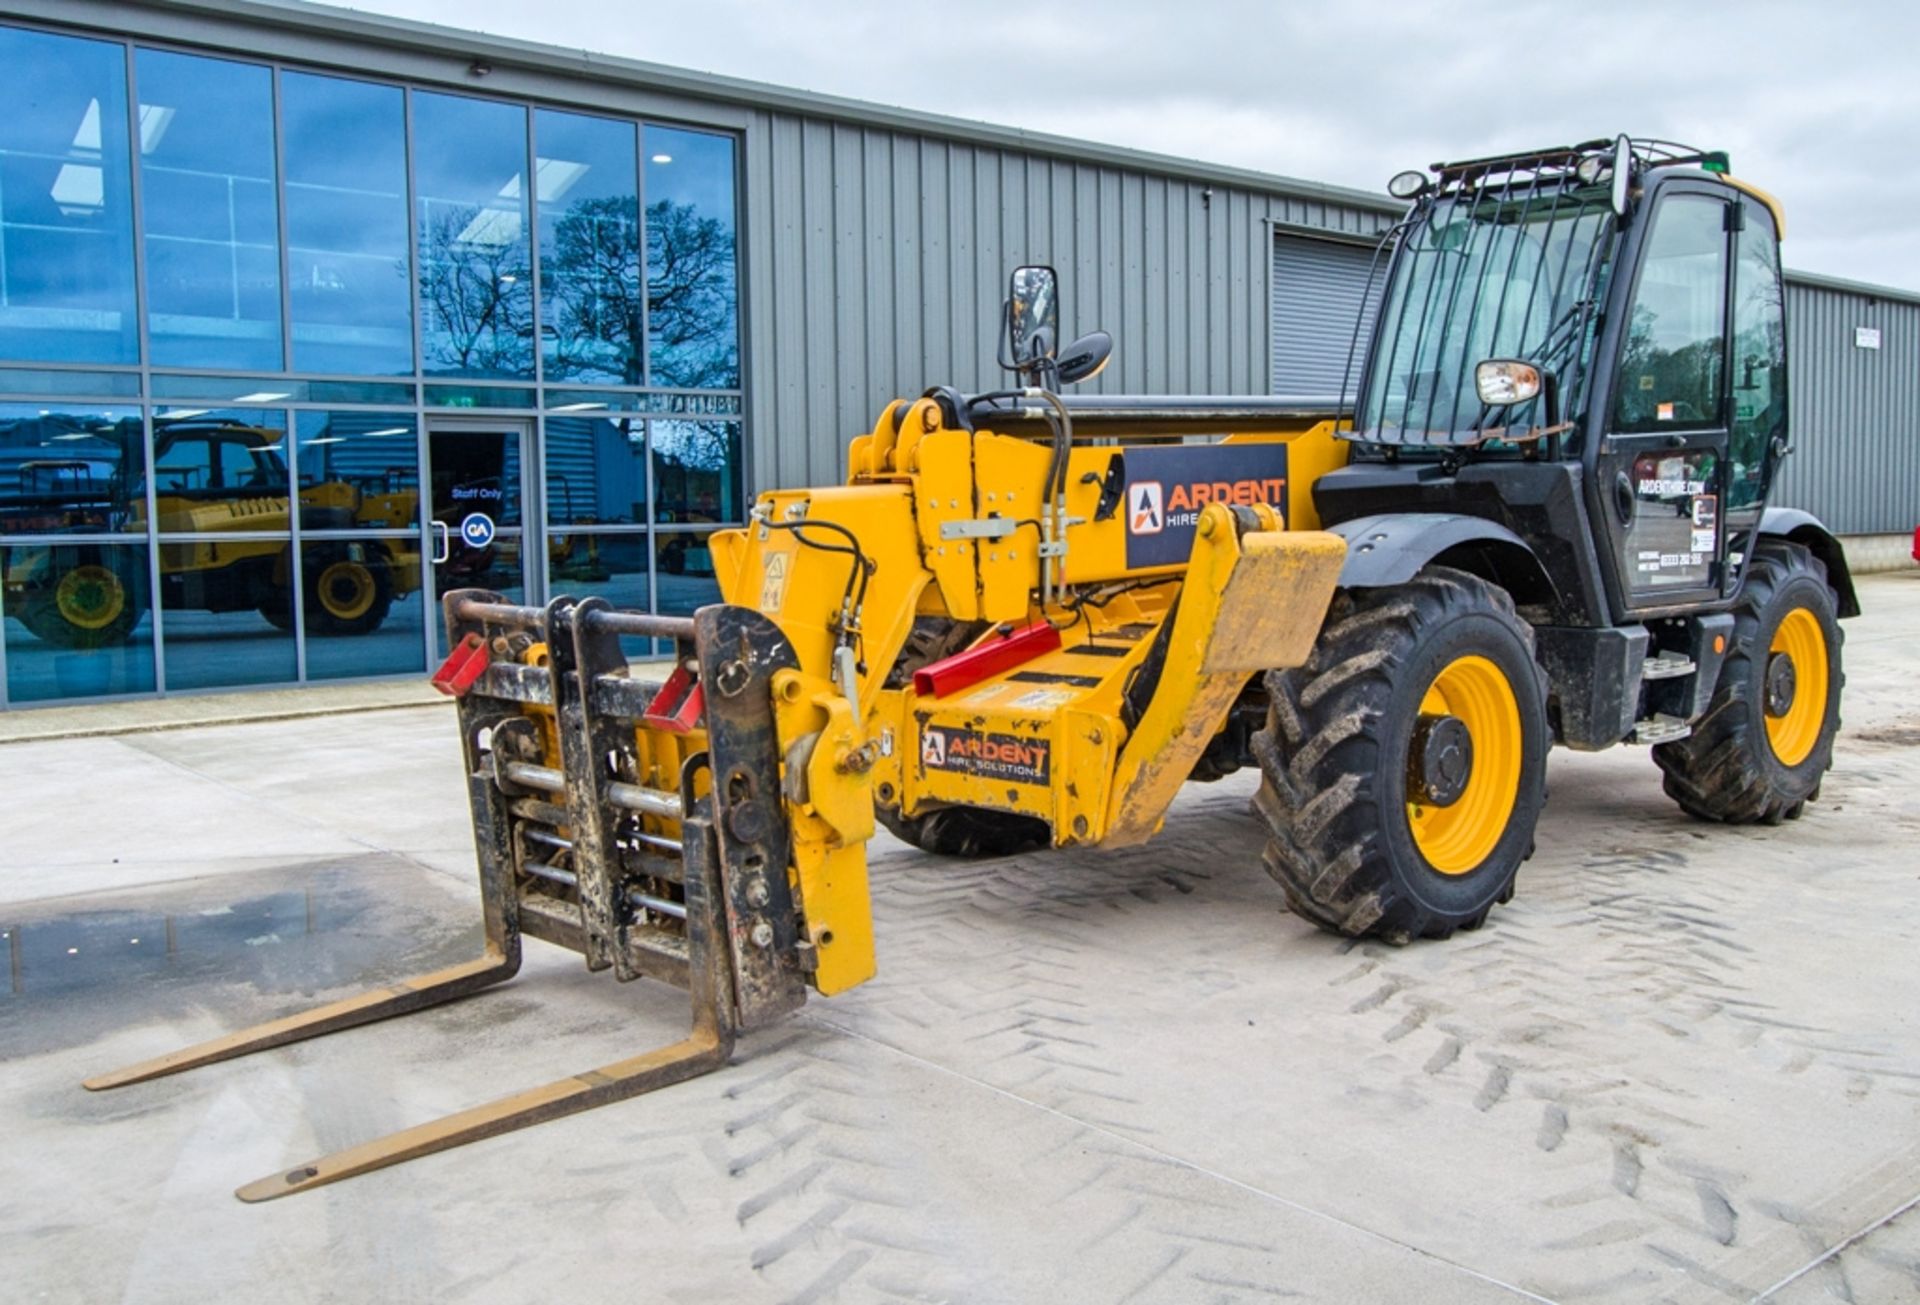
<point>1403,767</point>
<point>1759,752</point>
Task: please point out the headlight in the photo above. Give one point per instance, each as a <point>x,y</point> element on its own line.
<point>1504,381</point>
<point>1593,170</point>
<point>1407,185</point>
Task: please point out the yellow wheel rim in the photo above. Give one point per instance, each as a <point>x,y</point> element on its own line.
<point>346,590</point>
<point>90,597</point>
<point>1793,733</point>
<point>1455,839</point>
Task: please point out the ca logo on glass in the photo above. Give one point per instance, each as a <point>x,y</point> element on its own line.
<point>476,531</point>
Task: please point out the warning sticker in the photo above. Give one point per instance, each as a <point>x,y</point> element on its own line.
<point>1043,699</point>
<point>773,589</point>
<point>1674,536</point>
<point>1012,757</point>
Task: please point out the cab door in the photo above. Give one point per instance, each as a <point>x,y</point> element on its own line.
<point>1662,470</point>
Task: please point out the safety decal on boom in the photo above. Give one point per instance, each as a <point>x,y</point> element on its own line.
<point>1011,757</point>
<point>1166,489</point>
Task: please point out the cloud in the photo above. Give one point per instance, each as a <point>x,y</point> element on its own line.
<point>1817,104</point>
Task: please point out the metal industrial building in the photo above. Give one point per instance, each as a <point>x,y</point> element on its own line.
<point>426,275</point>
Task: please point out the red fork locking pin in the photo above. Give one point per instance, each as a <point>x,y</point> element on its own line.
<point>465,664</point>
<point>678,706</point>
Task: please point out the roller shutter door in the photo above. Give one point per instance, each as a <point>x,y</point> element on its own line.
<point>1318,286</point>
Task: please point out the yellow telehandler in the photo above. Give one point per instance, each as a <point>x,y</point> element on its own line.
<point>1028,620</point>
<point>218,485</point>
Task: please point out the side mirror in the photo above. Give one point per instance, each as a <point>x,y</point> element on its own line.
<point>1622,175</point>
<point>1502,382</point>
<point>1033,315</point>
<point>1085,358</point>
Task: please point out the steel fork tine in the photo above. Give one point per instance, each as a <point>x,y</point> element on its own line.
<point>705,1051</point>
<point>413,994</point>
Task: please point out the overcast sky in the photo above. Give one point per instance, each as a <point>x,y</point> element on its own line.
<point>1817,102</point>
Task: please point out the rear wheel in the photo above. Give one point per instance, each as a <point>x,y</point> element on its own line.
<point>967,831</point>
<point>88,604</point>
<point>349,591</point>
<point>956,830</point>
<point>1759,752</point>
<point>1404,766</point>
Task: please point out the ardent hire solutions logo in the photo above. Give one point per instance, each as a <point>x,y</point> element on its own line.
<point>1146,515</point>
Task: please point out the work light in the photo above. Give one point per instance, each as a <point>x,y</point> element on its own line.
<point>1407,185</point>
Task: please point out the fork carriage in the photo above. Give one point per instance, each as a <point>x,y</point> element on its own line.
<point>598,829</point>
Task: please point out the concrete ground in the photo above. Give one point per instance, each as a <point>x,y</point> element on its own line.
<point>1683,1064</point>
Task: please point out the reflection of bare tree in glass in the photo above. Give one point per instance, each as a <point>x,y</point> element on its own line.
<point>477,295</point>
<point>693,465</point>
<point>593,313</point>
<point>698,445</point>
<point>690,298</point>
<point>592,280</point>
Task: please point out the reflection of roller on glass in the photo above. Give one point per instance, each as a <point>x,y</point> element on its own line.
<point>210,479</point>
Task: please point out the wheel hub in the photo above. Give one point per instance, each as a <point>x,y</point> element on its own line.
<point>1781,684</point>
<point>1441,760</point>
<point>90,597</point>
<point>346,590</point>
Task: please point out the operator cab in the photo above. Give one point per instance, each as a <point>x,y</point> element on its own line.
<point>1612,308</point>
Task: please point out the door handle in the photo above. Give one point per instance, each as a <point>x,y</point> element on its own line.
<point>1623,498</point>
<point>443,551</point>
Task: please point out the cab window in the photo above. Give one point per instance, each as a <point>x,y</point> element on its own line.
<point>1759,361</point>
<point>1673,359</point>
<point>216,460</point>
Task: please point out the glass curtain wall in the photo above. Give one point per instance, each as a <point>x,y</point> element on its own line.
<point>234,296</point>
<point>631,499</point>
<point>66,202</point>
<point>210,220</point>
<point>349,283</point>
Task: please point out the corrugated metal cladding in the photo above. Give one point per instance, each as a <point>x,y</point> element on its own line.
<point>878,261</point>
<point>1317,285</point>
<point>1855,412</point>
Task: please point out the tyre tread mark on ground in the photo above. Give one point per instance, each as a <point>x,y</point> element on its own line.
<point>1723,1221</point>
<point>1553,1127</point>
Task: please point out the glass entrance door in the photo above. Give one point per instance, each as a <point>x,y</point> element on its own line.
<point>478,522</point>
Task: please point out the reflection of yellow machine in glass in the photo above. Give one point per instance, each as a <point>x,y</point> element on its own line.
<point>213,479</point>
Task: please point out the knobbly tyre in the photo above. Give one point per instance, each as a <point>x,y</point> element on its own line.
<point>1027,621</point>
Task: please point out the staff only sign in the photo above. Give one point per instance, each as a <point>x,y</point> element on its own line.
<point>1166,489</point>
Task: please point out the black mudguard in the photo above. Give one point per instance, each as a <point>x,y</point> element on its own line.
<point>1799,527</point>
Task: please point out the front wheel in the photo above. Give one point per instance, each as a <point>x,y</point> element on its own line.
<point>1759,752</point>
<point>1404,766</point>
